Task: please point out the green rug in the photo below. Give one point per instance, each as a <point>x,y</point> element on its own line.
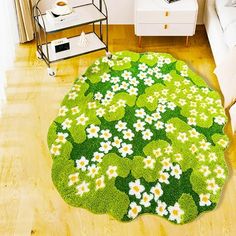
<point>140,133</point>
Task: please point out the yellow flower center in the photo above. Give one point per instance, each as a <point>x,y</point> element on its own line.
<point>136,188</point>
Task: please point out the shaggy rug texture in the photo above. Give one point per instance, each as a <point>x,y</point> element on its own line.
<point>140,133</point>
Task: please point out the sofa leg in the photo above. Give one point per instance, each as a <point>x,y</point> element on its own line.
<point>187,40</point>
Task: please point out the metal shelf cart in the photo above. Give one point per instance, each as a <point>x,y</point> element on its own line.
<point>91,13</point>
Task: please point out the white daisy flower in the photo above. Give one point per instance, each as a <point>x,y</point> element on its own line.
<point>115,80</point>
<point>161,108</point>
<point>175,213</point>
<point>165,92</point>
<point>82,119</point>
<point>112,172</point>
<point>150,99</point>
<point>76,87</point>
<point>176,171</point>
<point>212,110</point>
<point>159,125</point>
<point>93,131</point>
<point>97,62</point>
<point>82,188</point>
<point>132,91</point>
<point>209,100</point>
<point>182,137</point>
<point>167,60</point>
<point>128,134</point>
<point>134,210</point>
<point>193,149</point>
<point>157,152</point>
<point>97,157</point>
<point>142,75</point>
<point>162,101</point>
<point>105,102</point>
<point>116,142</point>
<point>98,96</point>
<point>134,81</point>
<point>184,73</point>
<point>204,145</point>
<point>156,69</point>
<point>147,134</point>
<point>62,111</point>
<point>212,156</point>
<point>146,198</point>
<point>75,110</point>
<point>136,188</point>
<point>61,137</point>
<point>139,125</point>
<point>148,81</point>
<point>127,59</point>
<point>150,71</point>
<point>121,125</point>
<point>198,97</point>
<point>177,83</point>
<point>164,177</point>
<point>105,59</point>
<point>192,121</point>
<point>109,95</point>
<point>105,147</point>
<point>203,116</point>
<point>82,163</point>
<point>142,67</point>
<point>100,183</point>
<point>156,116</point>
<point>178,157</point>
<point>95,69</point>
<point>93,170</point>
<point>105,134</point>
<point>111,63</point>
<point>157,191</point>
<point>167,77</point>
<point>127,75</point>
<point>105,77</point>
<point>149,163</point>
<point>220,120</point>
<point>121,103</point>
<point>220,173</point>
<point>205,170</point>
<point>115,87</point>
<point>182,102</point>
<point>73,178</point>
<point>168,150</point>
<point>212,186</point>
<point>100,112</point>
<point>158,75</point>
<point>193,112</point>
<point>193,133</point>
<point>72,95</point>
<point>166,164</point>
<point>171,105</point>
<point>149,119</point>
<point>161,208</point>
<point>126,149</point>
<point>193,89</point>
<point>169,128</point>
<point>205,199</point>
<point>124,85</point>
<point>140,113</point>
<point>55,149</point>
<point>113,108</point>
<point>66,124</point>
<point>201,157</point>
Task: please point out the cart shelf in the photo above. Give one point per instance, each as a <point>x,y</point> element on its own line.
<point>94,44</point>
<point>86,14</point>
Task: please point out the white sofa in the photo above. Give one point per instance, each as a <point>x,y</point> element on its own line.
<point>225,58</point>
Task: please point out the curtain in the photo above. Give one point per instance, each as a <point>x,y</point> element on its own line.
<point>25,25</point>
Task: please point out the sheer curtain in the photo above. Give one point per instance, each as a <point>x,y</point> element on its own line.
<point>23,11</point>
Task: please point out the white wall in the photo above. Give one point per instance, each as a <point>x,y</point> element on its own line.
<point>8,40</point>
<point>122,11</point>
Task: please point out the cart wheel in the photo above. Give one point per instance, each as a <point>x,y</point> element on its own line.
<point>38,55</point>
<point>51,72</point>
<point>109,55</point>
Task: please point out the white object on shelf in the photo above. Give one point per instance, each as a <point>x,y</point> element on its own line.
<point>80,15</point>
<point>83,42</point>
<point>61,7</point>
<point>93,44</point>
<point>159,18</point>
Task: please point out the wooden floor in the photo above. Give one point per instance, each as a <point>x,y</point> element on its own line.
<point>29,203</point>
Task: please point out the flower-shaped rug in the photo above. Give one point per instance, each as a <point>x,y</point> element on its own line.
<point>140,133</point>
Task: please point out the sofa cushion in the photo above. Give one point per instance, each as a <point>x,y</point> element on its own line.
<point>226,14</point>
